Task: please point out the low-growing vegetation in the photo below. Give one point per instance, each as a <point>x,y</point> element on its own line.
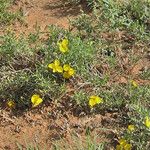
<point>104,60</point>
<point>6,16</point>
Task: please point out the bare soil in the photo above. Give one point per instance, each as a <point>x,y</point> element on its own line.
<point>41,13</point>
<point>46,125</point>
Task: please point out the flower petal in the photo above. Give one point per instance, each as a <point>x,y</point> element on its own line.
<point>11,104</point>
<point>92,102</point>
<point>134,83</point>
<point>66,67</point>
<point>119,147</point>
<point>66,75</point>
<point>98,100</point>
<point>63,46</point>
<point>95,100</point>
<point>51,66</point>
<point>56,62</point>
<point>131,127</point>
<point>34,98</point>
<point>37,102</point>
<point>122,142</point>
<point>59,69</point>
<point>63,49</point>
<point>127,147</point>
<point>54,69</point>
<point>147,122</point>
<point>71,71</point>
<point>65,42</point>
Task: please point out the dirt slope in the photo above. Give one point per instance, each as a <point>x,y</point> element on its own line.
<point>42,13</point>
<point>46,126</point>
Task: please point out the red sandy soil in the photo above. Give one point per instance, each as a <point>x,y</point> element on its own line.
<point>41,13</point>
<point>47,125</point>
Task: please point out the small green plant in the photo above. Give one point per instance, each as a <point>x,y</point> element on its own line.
<point>6,17</point>
<point>28,147</point>
<point>89,2</point>
<point>132,16</point>
<point>89,143</point>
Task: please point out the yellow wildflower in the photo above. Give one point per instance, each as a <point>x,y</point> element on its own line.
<point>131,128</point>
<point>123,145</point>
<point>122,142</point>
<point>63,45</point>
<point>55,66</point>
<point>68,71</point>
<point>119,147</point>
<point>36,100</point>
<point>94,100</point>
<point>11,104</point>
<point>134,83</point>
<point>147,122</point>
<point>127,147</point>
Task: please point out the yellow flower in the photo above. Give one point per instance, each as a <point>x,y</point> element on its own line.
<point>119,147</point>
<point>123,145</point>
<point>56,66</point>
<point>11,104</point>
<point>122,142</point>
<point>127,146</point>
<point>63,45</point>
<point>66,67</point>
<point>94,100</point>
<point>134,84</point>
<point>36,100</point>
<point>131,128</point>
<point>147,122</point>
<point>68,71</point>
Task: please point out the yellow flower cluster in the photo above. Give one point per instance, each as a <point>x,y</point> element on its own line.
<point>147,122</point>
<point>11,104</point>
<point>94,100</point>
<point>134,83</point>
<point>131,128</point>
<point>63,45</point>
<point>36,100</point>
<point>123,145</point>
<point>55,66</point>
<point>66,69</point>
